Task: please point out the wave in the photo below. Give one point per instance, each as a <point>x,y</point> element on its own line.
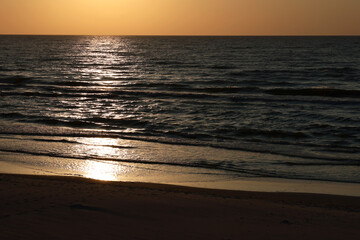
<point>79,142</point>
<point>73,83</point>
<point>268,73</point>
<point>340,163</point>
<point>13,115</point>
<point>170,88</point>
<point>175,64</point>
<point>338,69</point>
<point>168,62</point>
<point>220,67</point>
<point>33,93</point>
<point>73,93</point>
<point>228,166</point>
<point>320,92</point>
<point>197,164</point>
<point>118,122</point>
<point>91,123</point>
<point>167,85</point>
<point>263,72</point>
<point>228,89</point>
<point>281,99</point>
<point>3,69</point>
<point>176,138</point>
<point>162,94</point>
<point>188,88</point>
<point>186,134</point>
<point>269,133</point>
<point>65,123</point>
<point>52,59</point>
<point>15,80</point>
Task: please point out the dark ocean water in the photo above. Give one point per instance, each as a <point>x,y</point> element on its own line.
<point>296,99</point>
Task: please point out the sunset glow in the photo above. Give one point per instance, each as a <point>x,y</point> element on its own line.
<point>180,17</point>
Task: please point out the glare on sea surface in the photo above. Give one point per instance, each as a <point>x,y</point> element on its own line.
<point>101,55</point>
<point>103,170</point>
<point>102,149</point>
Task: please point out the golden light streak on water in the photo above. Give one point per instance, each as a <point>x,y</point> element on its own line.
<point>102,170</point>
<point>103,148</point>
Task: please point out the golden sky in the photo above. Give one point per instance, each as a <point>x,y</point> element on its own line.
<point>180,17</point>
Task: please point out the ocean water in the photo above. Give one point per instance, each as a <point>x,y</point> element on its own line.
<point>284,107</point>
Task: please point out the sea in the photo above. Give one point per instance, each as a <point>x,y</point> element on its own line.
<point>205,106</point>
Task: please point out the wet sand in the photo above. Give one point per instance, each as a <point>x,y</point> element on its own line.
<point>40,207</point>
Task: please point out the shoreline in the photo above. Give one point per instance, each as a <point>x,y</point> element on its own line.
<point>167,164</point>
<point>173,175</point>
<point>55,207</point>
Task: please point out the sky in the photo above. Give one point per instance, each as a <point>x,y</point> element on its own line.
<point>180,17</point>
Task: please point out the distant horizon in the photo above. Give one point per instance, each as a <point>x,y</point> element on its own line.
<point>176,35</point>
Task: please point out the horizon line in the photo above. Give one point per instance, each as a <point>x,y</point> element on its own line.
<point>186,35</point>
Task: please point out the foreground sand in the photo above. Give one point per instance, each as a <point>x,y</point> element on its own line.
<point>36,207</point>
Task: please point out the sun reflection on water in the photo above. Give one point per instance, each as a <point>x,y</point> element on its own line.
<point>104,64</point>
<point>103,171</point>
<point>103,148</point>
<point>101,58</point>
<point>99,66</point>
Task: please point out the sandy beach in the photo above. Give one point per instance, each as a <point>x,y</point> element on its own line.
<point>41,207</point>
